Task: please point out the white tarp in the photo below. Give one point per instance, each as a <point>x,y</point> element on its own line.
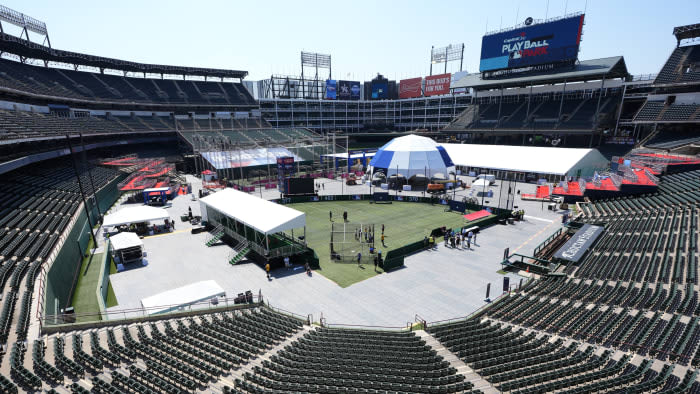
<point>247,157</point>
<point>535,159</point>
<point>262,215</point>
<point>182,296</point>
<point>125,241</point>
<point>138,214</point>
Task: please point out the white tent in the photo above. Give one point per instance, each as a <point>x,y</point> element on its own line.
<point>138,214</point>
<point>182,296</point>
<point>125,240</point>
<point>532,159</point>
<point>410,155</point>
<point>262,215</point>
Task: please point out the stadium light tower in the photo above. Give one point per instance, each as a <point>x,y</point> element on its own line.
<point>447,54</point>
<point>26,22</point>
<point>315,60</point>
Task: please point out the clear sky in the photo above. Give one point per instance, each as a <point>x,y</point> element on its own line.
<point>363,37</point>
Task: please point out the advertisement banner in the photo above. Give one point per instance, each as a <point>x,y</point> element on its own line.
<point>437,84</point>
<point>355,91</point>
<point>285,168</point>
<point>409,88</point>
<point>526,46</point>
<point>380,90</point>
<point>577,245</point>
<point>330,89</point>
<point>348,90</point>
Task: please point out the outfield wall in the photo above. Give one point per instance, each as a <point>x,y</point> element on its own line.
<point>62,275</point>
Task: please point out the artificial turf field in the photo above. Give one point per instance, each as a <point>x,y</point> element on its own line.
<point>405,222</point>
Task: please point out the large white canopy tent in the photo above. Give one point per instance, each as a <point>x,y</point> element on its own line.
<point>265,217</point>
<point>138,214</point>
<point>262,215</point>
<point>412,155</point>
<point>528,159</point>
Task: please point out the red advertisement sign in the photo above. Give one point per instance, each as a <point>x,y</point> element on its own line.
<point>437,84</point>
<point>410,87</point>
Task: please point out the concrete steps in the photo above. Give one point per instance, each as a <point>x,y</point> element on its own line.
<point>462,368</point>
<point>228,380</point>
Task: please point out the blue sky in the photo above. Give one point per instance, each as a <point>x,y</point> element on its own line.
<point>363,37</point>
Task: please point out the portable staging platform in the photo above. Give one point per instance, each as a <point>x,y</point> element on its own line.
<point>256,224</point>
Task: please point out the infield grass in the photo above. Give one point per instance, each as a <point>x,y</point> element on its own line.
<point>405,222</point>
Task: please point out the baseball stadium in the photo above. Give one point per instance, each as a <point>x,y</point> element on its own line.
<point>527,227</point>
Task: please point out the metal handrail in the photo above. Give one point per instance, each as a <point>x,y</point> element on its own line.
<point>544,243</point>
<point>455,319</point>
<point>363,326</point>
<point>135,313</point>
<point>289,313</point>
<point>644,77</point>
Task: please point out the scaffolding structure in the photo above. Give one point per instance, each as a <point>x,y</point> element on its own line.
<point>350,239</point>
<point>300,87</point>
<point>308,149</point>
<point>293,87</point>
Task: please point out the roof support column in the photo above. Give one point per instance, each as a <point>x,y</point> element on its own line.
<point>600,97</point>
<point>529,98</point>
<point>561,101</point>
<point>500,101</point>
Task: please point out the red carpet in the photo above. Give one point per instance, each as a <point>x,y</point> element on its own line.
<point>573,190</point>
<point>605,184</point>
<point>477,215</point>
<point>642,179</point>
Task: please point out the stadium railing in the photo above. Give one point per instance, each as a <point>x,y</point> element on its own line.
<point>408,327</point>
<point>546,242</point>
<point>309,318</point>
<point>69,322</point>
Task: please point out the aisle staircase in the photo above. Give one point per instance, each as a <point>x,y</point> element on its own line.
<point>215,235</point>
<point>239,252</point>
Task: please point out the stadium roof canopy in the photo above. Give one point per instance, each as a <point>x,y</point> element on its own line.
<point>687,31</point>
<point>27,49</point>
<point>586,70</point>
<point>262,215</point>
<point>532,159</point>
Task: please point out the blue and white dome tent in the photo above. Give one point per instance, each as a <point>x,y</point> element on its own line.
<point>412,155</point>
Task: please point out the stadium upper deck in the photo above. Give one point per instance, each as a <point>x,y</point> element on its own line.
<point>116,84</point>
